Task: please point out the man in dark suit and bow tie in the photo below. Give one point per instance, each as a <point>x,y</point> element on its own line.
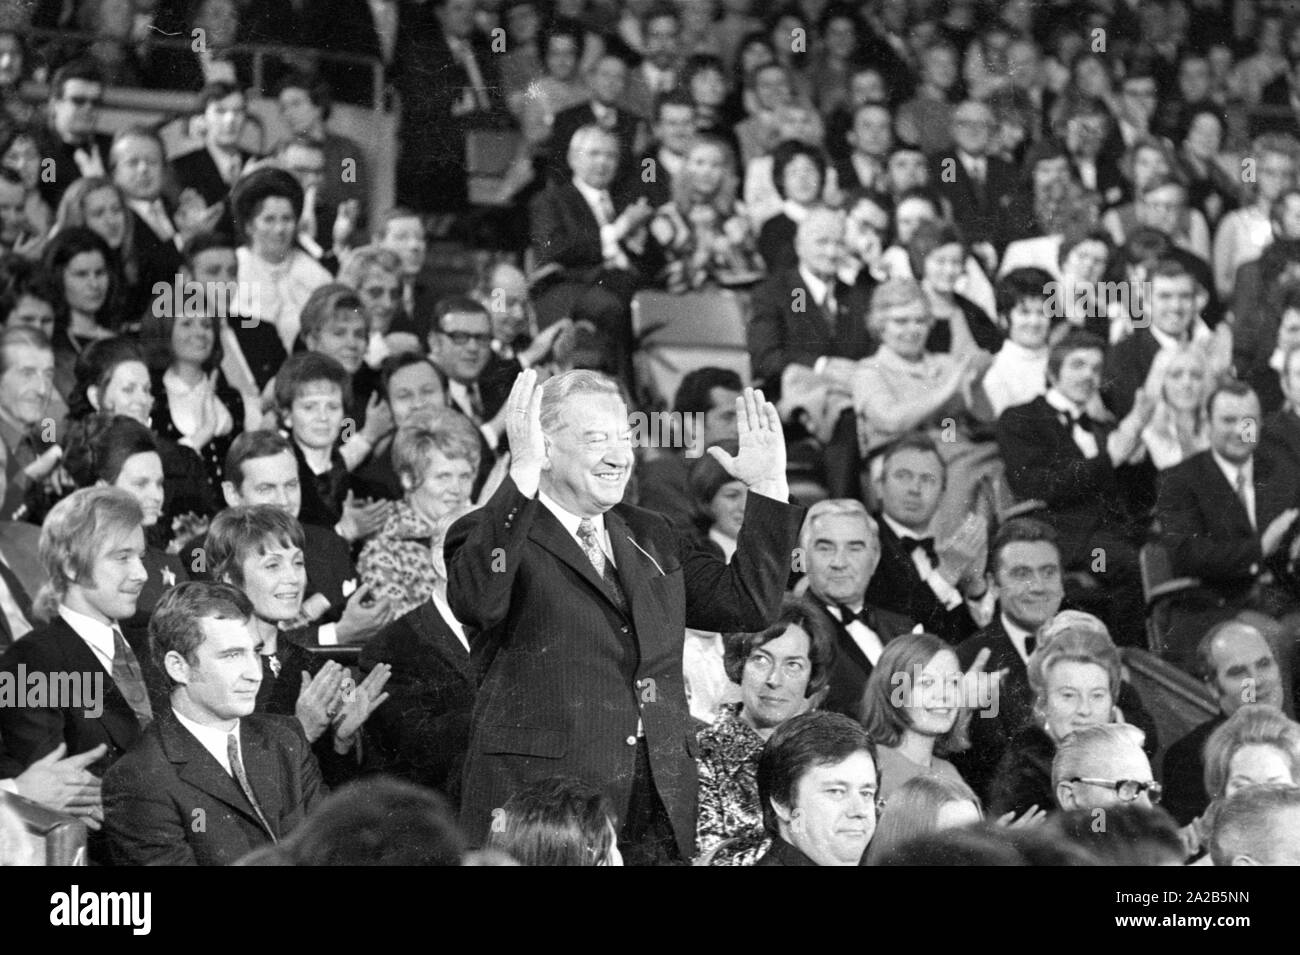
<point>69,139</point>
<point>840,546</point>
<point>1056,453</point>
<point>807,313</point>
<point>92,546</point>
<point>588,245</point>
<point>1228,516</point>
<point>210,780</point>
<point>940,585</point>
<point>980,188</point>
<point>213,170</point>
<point>581,604</point>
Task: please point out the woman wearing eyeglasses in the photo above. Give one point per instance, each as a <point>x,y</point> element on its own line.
<point>782,671</point>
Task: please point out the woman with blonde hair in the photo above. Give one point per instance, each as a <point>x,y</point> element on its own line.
<point>704,233</point>
<point>1178,383</point>
<point>98,204</point>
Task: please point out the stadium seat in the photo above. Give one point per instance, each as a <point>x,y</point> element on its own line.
<point>1179,609</point>
<point>676,334</point>
<point>1177,701</point>
<point>59,839</point>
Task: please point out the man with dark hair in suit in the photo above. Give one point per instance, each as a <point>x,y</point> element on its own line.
<point>871,137</point>
<point>1238,667</point>
<point>69,139</point>
<point>460,347</point>
<point>1175,302</point>
<point>251,778</point>
<point>1228,516</point>
<point>588,245</point>
<point>940,585</point>
<point>27,370</point>
<point>674,131</point>
<point>706,401</point>
<point>607,78</point>
<point>92,546</point>
<point>808,313</point>
<point>981,188</point>
<point>213,170</point>
<point>581,604</point>
<point>1056,453</point>
<point>840,547</point>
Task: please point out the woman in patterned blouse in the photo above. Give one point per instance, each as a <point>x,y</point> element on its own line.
<point>436,456</point>
<point>782,671</point>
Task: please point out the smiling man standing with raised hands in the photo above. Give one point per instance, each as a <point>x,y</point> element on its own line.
<point>581,603</point>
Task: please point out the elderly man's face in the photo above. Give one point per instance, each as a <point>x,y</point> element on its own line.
<point>27,383</point>
<point>872,133</point>
<point>594,160</point>
<point>774,682</point>
<point>139,168</point>
<point>1245,670</point>
<point>589,455</point>
<point>972,127</point>
<point>833,815</point>
<point>820,245</point>
<point>842,554</point>
<point>1126,761</point>
<point>508,303</point>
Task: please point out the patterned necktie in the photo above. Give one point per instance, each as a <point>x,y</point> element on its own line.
<point>590,546</point>
<point>129,679</point>
<point>237,769</point>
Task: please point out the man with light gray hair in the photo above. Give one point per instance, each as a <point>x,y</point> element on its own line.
<point>579,605</point>
<point>1103,766</point>
<point>807,315</point>
<point>840,548</point>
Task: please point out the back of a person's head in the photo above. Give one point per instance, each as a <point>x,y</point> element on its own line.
<point>555,822</point>
<point>974,846</point>
<point>1247,826</point>
<point>378,821</point>
<point>1127,834</point>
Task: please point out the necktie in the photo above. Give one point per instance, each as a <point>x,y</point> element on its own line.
<point>591,547</point>
<point>926,544</point>
<point>129,679</point>
<point>829,305</point>
<point>1240,487</point>
<point>475,402</point>
<point>606,209</point>
<point>237,768</point>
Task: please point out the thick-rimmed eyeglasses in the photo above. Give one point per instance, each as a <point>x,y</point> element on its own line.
<point>1126,789</point>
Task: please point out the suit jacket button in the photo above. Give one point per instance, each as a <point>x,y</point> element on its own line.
<point>623,629</point>
<point>631,740</point>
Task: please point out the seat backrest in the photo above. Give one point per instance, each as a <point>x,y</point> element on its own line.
<point>57,838</point>
<point>1176,700</point>
<point>1155,566</point>
<point>711,318</point>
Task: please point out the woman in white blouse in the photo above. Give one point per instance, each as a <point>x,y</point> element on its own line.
<point>268,204</point>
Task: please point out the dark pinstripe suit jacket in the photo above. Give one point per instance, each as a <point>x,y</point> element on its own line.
<point>566,675</point>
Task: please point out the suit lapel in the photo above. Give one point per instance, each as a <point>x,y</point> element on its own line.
<point>436,634</point>
<point>634,567</point>
<point>550,533</point>
<point>587,217</point>
<point>1214,477</point>
<point>263,769</point>
<point>201,770</point>
<point>118,719</point>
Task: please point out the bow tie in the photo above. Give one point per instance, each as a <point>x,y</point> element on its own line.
<point>847,616</point>
<point>913,544</point>
<point>1083,420</point>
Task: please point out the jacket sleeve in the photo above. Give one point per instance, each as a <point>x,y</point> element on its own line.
<point>1034,475</point>
<point>141,822</point>
<point>483,553</point>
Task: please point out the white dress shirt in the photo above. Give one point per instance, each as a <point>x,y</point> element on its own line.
<point>459,393</point>
<point>212,739</point>
<point>1084,440</point>
<point>1017,636</point>
<point>155,216</point>
<point>948,595</point>
<point>98,636</point>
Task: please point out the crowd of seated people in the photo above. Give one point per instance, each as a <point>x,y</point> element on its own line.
<point>1021,322</point>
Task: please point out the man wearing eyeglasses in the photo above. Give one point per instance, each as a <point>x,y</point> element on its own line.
<point>1104,766</point>
<point>69,138</point>
<point>460,344</point>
